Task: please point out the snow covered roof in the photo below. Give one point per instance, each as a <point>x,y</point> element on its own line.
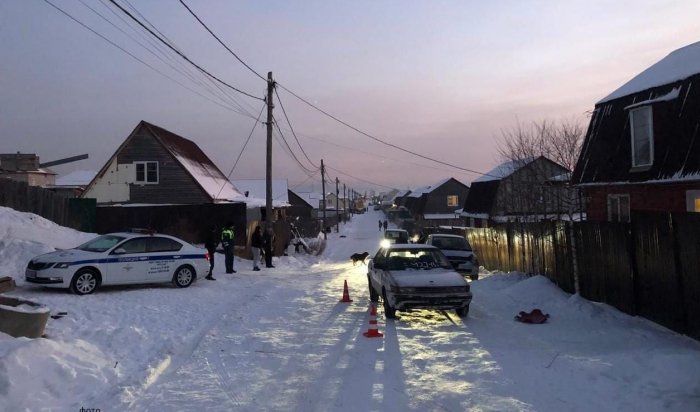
<point>502,170</point>
<point>678,65</point>
<point>76,178</point>
<point>314,199</point>
<point>427,189</point>
<point>197,164</point>
<point>257,189</point>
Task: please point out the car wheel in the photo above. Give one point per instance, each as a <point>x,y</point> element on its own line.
<point>463,312</point>
<point>184,276</point>
<point>373,295</point>
<point>474,277</point>
<point>389,311</point>
<point>85,281</point>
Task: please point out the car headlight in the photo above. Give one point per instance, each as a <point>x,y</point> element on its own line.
<point>62,265</point>
<point>384,243</point>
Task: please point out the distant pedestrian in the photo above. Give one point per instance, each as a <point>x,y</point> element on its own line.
<point>256,243</point>
<point>268,238</point>
<point>210,243</point>
<point>385,224</point>
<point>227,236</point>
<point>380,225</point>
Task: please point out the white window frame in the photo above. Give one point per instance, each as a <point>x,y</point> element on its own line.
<point>613,202</point>
<point>456,200</point>
<point>145,173</point>
<point>650,116</point>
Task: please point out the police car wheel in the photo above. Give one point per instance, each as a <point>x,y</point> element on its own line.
<point>184,276</point>
<point>84,282</point>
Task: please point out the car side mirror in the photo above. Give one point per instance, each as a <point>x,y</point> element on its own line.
<point>119,251</point>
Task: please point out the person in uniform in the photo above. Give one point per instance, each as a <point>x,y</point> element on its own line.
<point>227,243</point>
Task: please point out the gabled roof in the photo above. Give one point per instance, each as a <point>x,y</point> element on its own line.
<point>505,169</point>
<point>678,65</point>
<point>418,192</point>
<point>193,160</point>
<point>312,198</point>
<point>294,195</point>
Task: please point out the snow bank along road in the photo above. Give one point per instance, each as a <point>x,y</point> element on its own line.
<point>279,340</point>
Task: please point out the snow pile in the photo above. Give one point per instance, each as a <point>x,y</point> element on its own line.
<point>278,339</point>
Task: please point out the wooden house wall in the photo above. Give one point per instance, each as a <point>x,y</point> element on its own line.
<point>525,192</point>
<point>436,201</point>
<point>175,185</point>
<point>643,197</point>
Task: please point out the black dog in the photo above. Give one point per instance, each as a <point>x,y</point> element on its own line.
<point>359,257</point>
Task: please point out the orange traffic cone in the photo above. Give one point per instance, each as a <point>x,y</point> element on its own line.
<point>372,332</point>
<point>346,294</point>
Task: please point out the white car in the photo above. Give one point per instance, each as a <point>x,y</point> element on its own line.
<point>458,252</point>
<point>124,258</point>
<point>416,277</point>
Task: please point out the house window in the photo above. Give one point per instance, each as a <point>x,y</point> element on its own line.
<point>146,172</point>
<point>642,136</point>
<point>452,200</point>
<point>619,208</point>
<point>693,200</point>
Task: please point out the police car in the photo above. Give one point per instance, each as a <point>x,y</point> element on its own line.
<point>123,258</point>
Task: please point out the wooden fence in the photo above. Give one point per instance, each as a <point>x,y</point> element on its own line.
<point>71,212</point>
<point>649,268</point>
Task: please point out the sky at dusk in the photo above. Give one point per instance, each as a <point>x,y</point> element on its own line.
<point>441,78</point>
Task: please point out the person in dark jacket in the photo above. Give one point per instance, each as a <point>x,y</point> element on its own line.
<point>210,243</point>
<point>268,240</point>
<point>227,242</point>
<point>380,225</point>
<point>256,243</point>
<point>386,224</point>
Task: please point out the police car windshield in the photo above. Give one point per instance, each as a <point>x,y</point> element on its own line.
<point>101,243</point>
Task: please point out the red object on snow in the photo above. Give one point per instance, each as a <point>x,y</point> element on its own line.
<point>346,294</point>
<point>536,316</point>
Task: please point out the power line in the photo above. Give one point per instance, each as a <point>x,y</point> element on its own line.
<point>85,26</point>
<point>239,110</point>
<point>291,128</point>
<point>221,42</point>
<point>228,177</point>
<point>182,54</point>
<point>357,178</point>
<point>376,138</point>
<point>291,152</point>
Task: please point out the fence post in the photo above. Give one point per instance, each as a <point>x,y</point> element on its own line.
<point>570,226</point>
<point>679,270</point>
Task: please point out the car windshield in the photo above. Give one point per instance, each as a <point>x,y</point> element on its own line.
<point>396,236</point>
<point>451,243</point>
<point>407,259</point>
<point>101,243</point>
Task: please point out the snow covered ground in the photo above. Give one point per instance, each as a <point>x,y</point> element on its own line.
<point>279,340</point>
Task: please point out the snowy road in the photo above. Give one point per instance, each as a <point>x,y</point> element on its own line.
<point>279,340</point>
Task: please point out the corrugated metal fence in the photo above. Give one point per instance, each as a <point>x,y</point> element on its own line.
<point>650,267</point>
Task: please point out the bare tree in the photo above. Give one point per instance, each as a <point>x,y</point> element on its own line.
<point>538,191</point>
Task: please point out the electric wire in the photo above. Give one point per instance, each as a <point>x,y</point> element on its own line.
<point>228,176</point>
<point>182,54</point>
<point>376,138</point>
<point>221,42</point>
<point>360,179</point>
<point>238,110</point>
<point>291,152</point>
<point>291,128</point>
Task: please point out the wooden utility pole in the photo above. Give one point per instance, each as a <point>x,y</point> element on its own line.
<point>345,199</point>
<point>268,160</point>
<point>323,186</point>
<point>337,204</point>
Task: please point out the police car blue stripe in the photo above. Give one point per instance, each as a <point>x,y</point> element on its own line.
<point>137,259</point>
